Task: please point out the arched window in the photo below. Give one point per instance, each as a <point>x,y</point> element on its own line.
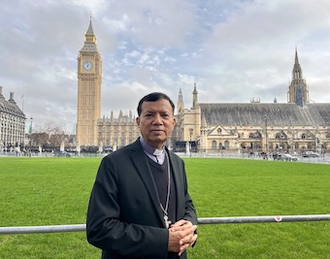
<point>280,135</point>
<point>226,144</point>
<point>307,135</point>
<point>255,135</point>
<point>214,144</point>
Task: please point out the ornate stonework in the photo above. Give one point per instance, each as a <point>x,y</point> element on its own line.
<point>295,126</point>
<point>89,91</point>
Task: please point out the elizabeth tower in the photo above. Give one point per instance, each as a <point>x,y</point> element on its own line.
<point>89,91</point>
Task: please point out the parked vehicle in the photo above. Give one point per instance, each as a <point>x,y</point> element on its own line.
<point>62,154</point>
<point>310,154</point>
<point>294,157</point>
<point>286,157</point>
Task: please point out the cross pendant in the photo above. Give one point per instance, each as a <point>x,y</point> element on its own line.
<point>167,222</point>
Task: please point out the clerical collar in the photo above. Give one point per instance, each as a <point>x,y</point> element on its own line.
<point>155,154</point>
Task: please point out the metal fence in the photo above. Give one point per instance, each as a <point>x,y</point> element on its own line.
<point>201,221</point>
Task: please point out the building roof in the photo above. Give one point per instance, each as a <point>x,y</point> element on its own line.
<point>255,114</point>
<point>10,107</point>
<point>90,40</point>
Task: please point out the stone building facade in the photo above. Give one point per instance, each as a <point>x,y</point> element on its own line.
<point>12,124</point>
<point>295,126</point>
<point>92,131</point>
<point>117,132</point>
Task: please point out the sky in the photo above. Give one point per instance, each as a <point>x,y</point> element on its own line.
<point>234,50</point>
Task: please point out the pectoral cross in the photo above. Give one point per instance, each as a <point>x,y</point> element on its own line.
<point>167,222</point>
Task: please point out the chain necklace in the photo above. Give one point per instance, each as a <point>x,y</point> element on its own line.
<point>165,210</point>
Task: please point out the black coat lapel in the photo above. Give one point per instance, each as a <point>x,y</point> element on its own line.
<point>140,161</point>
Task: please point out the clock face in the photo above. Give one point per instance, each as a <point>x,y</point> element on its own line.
<point>87,65</point>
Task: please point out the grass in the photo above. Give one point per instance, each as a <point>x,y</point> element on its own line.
<point>247,188</point>
<point>54,191</point>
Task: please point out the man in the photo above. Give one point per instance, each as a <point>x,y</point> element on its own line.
<point>139,206</point>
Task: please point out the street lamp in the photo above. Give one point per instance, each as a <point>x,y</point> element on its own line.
<point>30,133</point>
<point>266,134</point>
<point>190,136</point>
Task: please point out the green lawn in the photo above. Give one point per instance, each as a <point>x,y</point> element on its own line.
<point>55,191</point>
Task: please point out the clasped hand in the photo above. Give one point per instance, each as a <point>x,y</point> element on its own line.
<point>181,236</point>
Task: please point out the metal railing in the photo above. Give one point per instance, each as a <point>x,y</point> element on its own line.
<point>221,220</point>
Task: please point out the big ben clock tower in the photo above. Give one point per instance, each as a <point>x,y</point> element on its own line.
<point>89,91</point>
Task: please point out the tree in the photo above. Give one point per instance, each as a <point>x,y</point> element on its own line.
<point>47,136</point>
<point>56,134</point>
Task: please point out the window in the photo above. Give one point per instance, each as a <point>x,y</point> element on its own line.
<point>280,135</point>
<point>255,135</point>
<point>214,144</point>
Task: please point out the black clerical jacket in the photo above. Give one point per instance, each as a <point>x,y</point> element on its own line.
<point>124,217</point>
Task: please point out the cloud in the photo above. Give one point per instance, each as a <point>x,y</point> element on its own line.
<point>233,50</point>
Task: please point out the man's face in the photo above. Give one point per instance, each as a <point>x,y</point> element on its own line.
<point>156,122</point>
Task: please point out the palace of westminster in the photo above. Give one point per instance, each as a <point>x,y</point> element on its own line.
<point>295,126</point>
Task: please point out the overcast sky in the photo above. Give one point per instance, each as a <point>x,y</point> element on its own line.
<point>234,50</point>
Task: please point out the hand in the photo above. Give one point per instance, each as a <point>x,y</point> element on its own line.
<point>181,236</point>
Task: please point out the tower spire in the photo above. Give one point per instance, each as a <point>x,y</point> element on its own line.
<point>296,57</point>
<point>298,92</point>
<point>90,38</point>
<point>90,27</point>
<point>297,71</point>
<point>195,98</point>
<point>180,104</point>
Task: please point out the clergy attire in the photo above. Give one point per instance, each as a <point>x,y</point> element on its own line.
<point>137,194</point>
